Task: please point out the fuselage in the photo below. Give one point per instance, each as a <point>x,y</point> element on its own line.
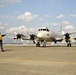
<point>44,34</point>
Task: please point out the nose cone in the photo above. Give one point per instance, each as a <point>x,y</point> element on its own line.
<point>39,35</point>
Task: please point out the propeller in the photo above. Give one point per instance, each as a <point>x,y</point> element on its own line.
<point>67,37</point>
<point>18,36</point>
<point>32,36</point>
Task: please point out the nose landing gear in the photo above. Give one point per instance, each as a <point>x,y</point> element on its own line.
<point>44,44</point>
<point>38,44</point>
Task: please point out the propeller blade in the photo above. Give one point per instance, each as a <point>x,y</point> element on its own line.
<point>21,32</point>
<point>63,33</point>
<point>15,33</point>
<point>28,33</point>
<point>14,40</point>
<point>21,39</point>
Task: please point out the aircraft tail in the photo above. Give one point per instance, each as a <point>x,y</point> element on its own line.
<point>61,30</point>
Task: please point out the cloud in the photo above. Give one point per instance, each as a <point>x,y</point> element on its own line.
<point>46,16</point>
<point>2,25</point>
<point>27,16</point>
<point>18,1</point>
<point>54,24</point>
<point>73,15</point>
<point>17,12</point>
<point>65,22</point>
<point>69,27</point>
<point>20,29</point>
<point>57,24</point>
<point>4,3</point>
<point>41,19</point>
<point>60,16</point>
<point>50,24</point>
<point>8,17</point>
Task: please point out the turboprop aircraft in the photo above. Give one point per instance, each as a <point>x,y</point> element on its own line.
<point>44,35</point>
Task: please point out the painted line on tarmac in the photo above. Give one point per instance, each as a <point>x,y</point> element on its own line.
<point>36,61</point>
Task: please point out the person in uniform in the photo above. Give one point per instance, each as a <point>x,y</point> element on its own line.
<point>1,43</point>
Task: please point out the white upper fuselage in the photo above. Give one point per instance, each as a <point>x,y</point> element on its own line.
<point>44,34</point>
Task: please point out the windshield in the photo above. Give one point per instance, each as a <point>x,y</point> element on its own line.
<point>43,29</point>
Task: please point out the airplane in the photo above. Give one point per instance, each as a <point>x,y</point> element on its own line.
<point>45,35</point>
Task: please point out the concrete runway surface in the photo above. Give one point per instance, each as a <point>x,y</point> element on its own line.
<point>31,60</point>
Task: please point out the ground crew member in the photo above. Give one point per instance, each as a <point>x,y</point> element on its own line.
<point>1,43</point>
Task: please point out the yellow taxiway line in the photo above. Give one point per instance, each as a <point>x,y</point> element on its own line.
<point>36,61</point>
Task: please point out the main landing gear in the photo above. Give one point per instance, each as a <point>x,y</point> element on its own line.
<point>44,44</point>
<point>38,44</point>
<point>69,44</point>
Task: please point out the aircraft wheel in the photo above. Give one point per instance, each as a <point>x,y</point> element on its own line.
<point>38,44</point>
<point>69,45</point>
<point>44,44</point>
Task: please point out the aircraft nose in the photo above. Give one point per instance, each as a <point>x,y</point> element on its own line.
<point>39,35</point>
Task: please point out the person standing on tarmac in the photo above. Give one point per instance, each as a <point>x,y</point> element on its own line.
<point>1,43</point>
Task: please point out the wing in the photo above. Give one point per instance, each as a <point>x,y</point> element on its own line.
<point>62,40</point>
<point>59,39</point>
<point>74,38</point>
<point>69,33</point>
<point>72,32</point>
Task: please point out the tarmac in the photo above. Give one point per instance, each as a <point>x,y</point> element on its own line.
<point>31,60</point>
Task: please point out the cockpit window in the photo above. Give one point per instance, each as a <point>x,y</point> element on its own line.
<point>47,29</point>
<point>43,30</point>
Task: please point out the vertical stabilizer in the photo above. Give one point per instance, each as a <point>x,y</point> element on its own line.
<point>61,31</point>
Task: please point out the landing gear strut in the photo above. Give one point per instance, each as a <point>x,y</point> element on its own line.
<point>44,44</point>
<point>69,44</point>
<point>38,44</point>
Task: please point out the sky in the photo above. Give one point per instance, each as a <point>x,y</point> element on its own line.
<point>24,16</point>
